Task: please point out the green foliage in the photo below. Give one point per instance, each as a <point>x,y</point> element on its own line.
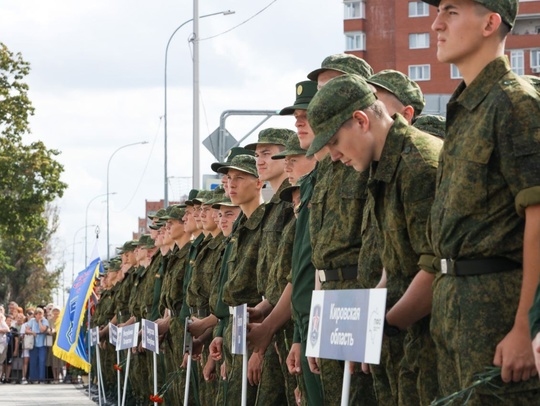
<point>30,181</point>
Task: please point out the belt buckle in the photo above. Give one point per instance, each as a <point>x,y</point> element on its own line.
<point>444,265</point>
<point>448,266</point>
<point>322,275</point>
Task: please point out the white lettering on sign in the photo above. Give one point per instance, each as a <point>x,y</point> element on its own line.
<point>340,338</point>
<point>344,313</point>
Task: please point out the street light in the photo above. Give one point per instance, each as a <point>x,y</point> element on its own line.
<point>86,222</point>
<point>108,193</point>
<point>166,192</point>
<point>73,257</point>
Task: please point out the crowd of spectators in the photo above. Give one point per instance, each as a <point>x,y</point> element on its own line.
<point>26,340</point>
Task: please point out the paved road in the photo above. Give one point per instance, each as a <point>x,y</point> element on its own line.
<point>41,395</point>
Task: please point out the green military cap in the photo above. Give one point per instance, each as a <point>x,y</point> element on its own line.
<point>243,163</point>
<point>277,136</point>
<point>344,63</point>
<point>114,265</point>
<point>159,213</point>
<point>142,240</point>
<point>157,225</point>
<point>334,104</point>
<point>218,194</point>
<point>230,155</point>
<point>400,85</point>
<point>304,93</point>
<point>148,242</point>
<point>292,147</point>
<point>507,9</point>
<point>225,202</point>
<point>202,196</point>
<point>432,124</point>
<point>191,195</point>
<point>175,212</point>
<point>127,247</point>
<point>286,193</point>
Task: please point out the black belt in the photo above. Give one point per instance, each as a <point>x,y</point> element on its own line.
<point>470,267</point>
<point>340,274</point>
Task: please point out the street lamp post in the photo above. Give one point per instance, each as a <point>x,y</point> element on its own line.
<point>73,257</point>
<point>108,193</point>
<point>165,176</point>
<point>86,230</point>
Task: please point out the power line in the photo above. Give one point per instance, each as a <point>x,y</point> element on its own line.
<point>242,23</point>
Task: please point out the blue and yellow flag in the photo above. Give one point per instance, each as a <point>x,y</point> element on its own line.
<point>70,344</point>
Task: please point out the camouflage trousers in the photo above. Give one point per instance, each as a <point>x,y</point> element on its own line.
<point>313,393</point>
<point>234,375</point>
<point>386,374</point>
<point>138,376</point>
<point>176,331</point>
<point>417,382</point>
<point>470,316</point>
<point>207,390</point>
<point>361,389</point>
<point>283,340</point>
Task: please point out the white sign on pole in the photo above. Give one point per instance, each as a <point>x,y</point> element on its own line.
<point>127,337</point>
<point>150,339</point>
<point>347,325</point>
<point>94,336</point>
<point>239,330</point>
<point>113,334</point>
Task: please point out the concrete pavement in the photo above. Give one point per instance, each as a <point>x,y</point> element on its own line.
<point>41,395</point>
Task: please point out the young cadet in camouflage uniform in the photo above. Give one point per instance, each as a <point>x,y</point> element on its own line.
<point>171,299</point>
<point>245,190</point>
<point>264,368</point>
<point>191,227</point>
<point>228,214</point>
<point>393,383</point>
<point>302,280</point>
<point>206,266</point>
<point>144,251</point>
<point>100,318</point>
<point>355,128</point>
<point>486,212</point>
<point>336,211</point>
<point>219,352</point>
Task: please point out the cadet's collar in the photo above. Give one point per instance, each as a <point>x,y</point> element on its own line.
<point>275,198</point>
<point>255,219</point>
<point>391,153</point>
<point>216,241</point>
<point>472,95</point>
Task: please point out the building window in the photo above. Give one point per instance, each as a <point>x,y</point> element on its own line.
<point>417,41</point>
<point>517,62</point>
<point>355,41</point>
<point>420,72</point>
<point>418,9</point>
<point>354,9</point>
<point>535,60</point>
<point>454,72</point>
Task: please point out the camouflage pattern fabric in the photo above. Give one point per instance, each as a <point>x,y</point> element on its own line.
<point>276,216</point>
<point>481,180</point>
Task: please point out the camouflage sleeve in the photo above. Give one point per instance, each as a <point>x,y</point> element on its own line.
<point>527,197</point>
<point>419,191</point>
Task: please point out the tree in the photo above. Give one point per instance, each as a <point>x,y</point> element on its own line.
<point>30,181</point>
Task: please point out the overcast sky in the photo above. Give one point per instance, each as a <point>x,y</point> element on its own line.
<point>97,83</point>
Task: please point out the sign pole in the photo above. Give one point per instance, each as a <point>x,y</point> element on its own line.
<point>99,385</point>
<point>188,347</point>
<point>155,375</point>
<point>188,376</point>
<point>118,379</point>
<point>346,384</point>
<point>126,378</point>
